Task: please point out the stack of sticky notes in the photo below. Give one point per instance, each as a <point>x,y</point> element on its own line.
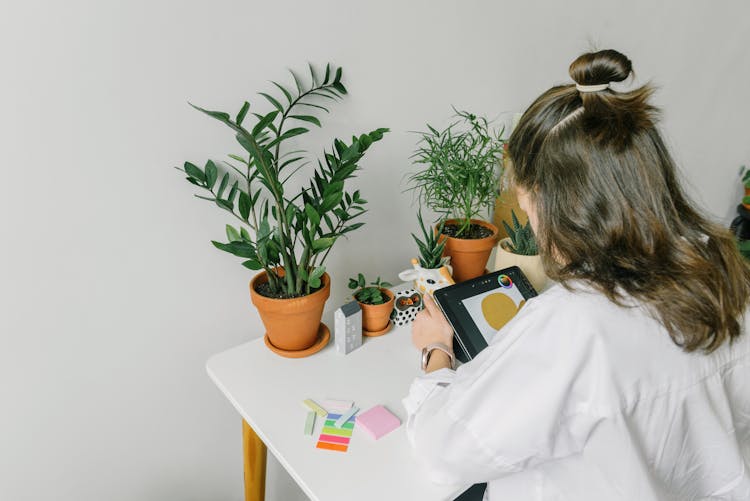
<point>378,421</point>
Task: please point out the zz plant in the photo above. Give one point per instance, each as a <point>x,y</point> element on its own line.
<point>281,227</point>
<point>522,238</point>
<point>462,165</point>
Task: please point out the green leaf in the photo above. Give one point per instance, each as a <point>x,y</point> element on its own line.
<point>244,234</point>
<point>284,91</point>
<point>337,78</point>
<point>339,87</point>
<point>239,249</point>
<point>223,184</point>
<point>242,113</point>
<point>318,272</point>
<point>272,100</point>
<point>322,243</point>
<point>195,172</point>
<point>288,134</point>
<point>328,73</point>
<point>211,174</point>
<point>297,81</point>
<point>361,280</point>
<point>218,115</point>
<point>312,215</point>
<point>353,283</point>
<point>252,264</point>
<point>245,204</point>
<point>307,118</point>
<point>232,234</point>
<point>263,122</point>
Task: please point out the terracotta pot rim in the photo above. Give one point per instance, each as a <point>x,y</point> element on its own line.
<point>276,303</point>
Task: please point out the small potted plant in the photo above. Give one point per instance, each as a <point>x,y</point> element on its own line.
<point>431,271</point>
<point>286,229</point>
<point>376,302</point>
<point>520,249</point>
<point>462,164</point>
<point>740,226</point>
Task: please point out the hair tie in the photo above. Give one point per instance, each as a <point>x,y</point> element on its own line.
<point>591,88</point>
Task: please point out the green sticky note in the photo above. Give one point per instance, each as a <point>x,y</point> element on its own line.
<point>310,423</point>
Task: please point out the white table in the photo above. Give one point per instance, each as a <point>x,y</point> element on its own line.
<point>268,390</point>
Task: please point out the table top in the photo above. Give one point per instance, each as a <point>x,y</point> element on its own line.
<point>268,390</point>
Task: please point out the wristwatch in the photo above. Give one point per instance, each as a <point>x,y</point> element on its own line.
<point>427,350</point>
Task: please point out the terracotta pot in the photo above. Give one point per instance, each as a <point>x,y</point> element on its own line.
<point>469,256</point>
<point>375,317</point>
<point>531,266</point>
<point>291,324</point>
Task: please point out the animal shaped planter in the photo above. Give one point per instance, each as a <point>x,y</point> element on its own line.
<point>406,306</point>
<point>426,280</point>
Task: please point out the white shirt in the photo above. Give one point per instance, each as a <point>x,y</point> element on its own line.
<point>580,399</point>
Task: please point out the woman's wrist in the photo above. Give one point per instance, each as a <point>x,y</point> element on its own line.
<point>438,360</point>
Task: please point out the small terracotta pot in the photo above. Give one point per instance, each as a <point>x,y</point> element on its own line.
<point>375,317</point>
<point>469,256</point>
<point>531,266</point>
<point>291,324</point>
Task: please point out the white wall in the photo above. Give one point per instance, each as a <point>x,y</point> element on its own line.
<point>112,297</point>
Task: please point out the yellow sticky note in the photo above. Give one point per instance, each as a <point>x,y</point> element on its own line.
<point>310,404</point>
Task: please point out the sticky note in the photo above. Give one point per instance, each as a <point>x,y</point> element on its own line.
<point>310,423</point>
<point>335,439</point>
<point>346,417</point>
<point>310,404</point>
<point>337,405</point>
<point>378,421</point>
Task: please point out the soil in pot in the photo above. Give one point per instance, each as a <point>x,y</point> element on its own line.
<point>475,231</point>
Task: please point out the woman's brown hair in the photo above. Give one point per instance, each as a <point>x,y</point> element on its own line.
<point>611,210</point>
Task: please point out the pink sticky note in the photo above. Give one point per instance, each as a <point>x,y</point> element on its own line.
<point>377,421</point>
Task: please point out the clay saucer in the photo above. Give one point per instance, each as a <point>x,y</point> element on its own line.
<point>378,333</point>
<point>324,335</point>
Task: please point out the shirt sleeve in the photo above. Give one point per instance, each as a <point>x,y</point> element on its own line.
<point>522,401</point>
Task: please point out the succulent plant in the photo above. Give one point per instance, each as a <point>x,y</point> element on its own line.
<point>431,247</point>
<point>371,294</point>
<point>522,238</point>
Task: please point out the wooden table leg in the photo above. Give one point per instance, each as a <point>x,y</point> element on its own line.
<point>254,454</point>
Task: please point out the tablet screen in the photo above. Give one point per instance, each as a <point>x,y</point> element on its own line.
<point>480,307</point>
<point>492,309</point>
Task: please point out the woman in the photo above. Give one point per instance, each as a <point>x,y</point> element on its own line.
<point>628,379</point>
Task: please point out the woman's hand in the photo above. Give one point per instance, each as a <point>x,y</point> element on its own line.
<point>430,326</point>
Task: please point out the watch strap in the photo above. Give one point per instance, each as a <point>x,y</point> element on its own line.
<point>427,351</point>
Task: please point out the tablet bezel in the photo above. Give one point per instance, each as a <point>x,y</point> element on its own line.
<point>470,341</point>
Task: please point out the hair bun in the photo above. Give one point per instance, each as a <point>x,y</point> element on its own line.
<point>604,66</point>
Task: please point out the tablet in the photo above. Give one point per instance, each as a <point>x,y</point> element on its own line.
<point>478,308</point>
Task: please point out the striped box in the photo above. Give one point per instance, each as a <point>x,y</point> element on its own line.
<point>335,439</point>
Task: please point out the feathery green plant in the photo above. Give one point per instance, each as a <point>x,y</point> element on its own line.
<point>462,166</point>
<point>522,238</point>
<point>289,231</point>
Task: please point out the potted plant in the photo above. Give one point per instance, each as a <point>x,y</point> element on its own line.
<point>376,302</point>
<point>431,271</point>
<point>520,249</point>
<point>740,226</point>
<point>462,164</point>
<point>286,229</point>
